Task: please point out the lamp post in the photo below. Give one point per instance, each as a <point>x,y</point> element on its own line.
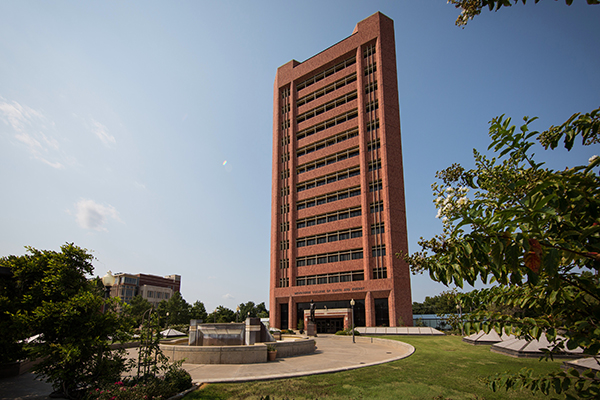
<point>237,314</point>
<point>108,281</point>
<point>352,326</point>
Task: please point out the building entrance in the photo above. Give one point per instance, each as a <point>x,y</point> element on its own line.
<point>329,325</point>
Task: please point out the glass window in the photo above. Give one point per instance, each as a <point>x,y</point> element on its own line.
<point>321,280</point>
<point>344,257</point>
<point>311,242</point>
<point>311,261</point>
<point>356,234</point>
<point>332,258</point>
<point>357,255</point>
<point>311,222</point>
<point>332,238</point>
<point>300,263</point>
<point>344,215</point>
<point>344,236</point>
<point>332,218</point>
<point>300,243</point>
<point>355,213</point>
<point>321,240</point>
<point>322,260</point>
<point>321,220</point>
<point>301,224</point>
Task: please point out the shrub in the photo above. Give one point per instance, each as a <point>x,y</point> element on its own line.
<point>347,332</point>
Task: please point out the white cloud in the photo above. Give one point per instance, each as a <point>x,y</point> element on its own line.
<point>91,215</point>
<point>28,126</point>
<point>228,296</point>
<point>102,132</point>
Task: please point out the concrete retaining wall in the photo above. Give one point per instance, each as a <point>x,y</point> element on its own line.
<point>256,353</point>
<point>294,348</point>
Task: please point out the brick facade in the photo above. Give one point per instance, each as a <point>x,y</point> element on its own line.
<point>338,214</point>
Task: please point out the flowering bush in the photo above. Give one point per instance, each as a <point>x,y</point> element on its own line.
<point>175,381</point>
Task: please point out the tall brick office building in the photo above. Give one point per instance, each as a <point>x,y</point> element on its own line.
<point>338,214</point>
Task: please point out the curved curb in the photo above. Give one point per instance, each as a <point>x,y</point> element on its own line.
<point>393,343</point>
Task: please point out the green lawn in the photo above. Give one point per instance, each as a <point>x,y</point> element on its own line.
<point>441,368</point>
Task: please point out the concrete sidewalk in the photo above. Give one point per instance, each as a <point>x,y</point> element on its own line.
<point>333,354</point>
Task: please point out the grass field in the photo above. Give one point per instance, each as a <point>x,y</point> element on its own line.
<point>441,368</point>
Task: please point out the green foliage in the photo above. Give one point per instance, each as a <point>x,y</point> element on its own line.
<point>532,231</point>
<point>471,8</point>
<point>174,311</point>
<point>444,303</point>
<point>221,315</point>
<point>137,307</point>
<point>252,310</point>
<point>347,332</point>
<point>52,297</point>
<point>198,311</point>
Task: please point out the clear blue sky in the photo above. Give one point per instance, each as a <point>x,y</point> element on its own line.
<point>116,119</point>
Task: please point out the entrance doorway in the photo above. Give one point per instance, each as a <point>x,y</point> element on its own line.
<point>329,325</point>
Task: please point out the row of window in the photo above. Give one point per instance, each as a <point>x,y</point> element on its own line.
<point>374,165</point>
<point>370,87</point>
<point>375,186</point>
<point>284,245</point>
<point>330,71</point>
<point>372,106</point>
<point>285,157</point>
<point>347,116</point>
<point>378,251</point>
<point>329,237</point>
<point>348,276</point>
<point>285,93</point>
<point>344,255</point>
<point>285,208</point>
<point>284,226</point>
<point>285,174</point>
<point>377,228</point>
<point>371,125</point>
<point>323,180</point>
<point>285,108</point>
<point>329,217</point>
<point>321,162</point>
<point>374,145</point>
<point>284,264</point>
<point>369,69</point>
<point>328,198</point>
<point>330,141</point>
<point>285,191</point>
<point>285,140</point>
<point>285,124</point>
<point>369,51</point>
<point>327,89</point>
<point>377,207</point>
<point>380,273</point>
<point>327,106</point>
<point>284,282</point>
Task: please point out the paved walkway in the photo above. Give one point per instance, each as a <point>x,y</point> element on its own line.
<point>334,353</point>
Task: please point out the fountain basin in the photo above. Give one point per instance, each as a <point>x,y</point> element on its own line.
<point>245,354</point>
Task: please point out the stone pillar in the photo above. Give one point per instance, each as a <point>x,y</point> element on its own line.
<point>252,330</point>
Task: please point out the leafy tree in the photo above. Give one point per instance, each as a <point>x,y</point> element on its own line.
<point>221,315</point>
<point>252,310</point>
<point>471,8</point>
<point>198,311</point>
<point>177,308</point>
<point>442,304</point>
<point>55,299</point>
<point>137,307</point>
<point>534,233</point>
